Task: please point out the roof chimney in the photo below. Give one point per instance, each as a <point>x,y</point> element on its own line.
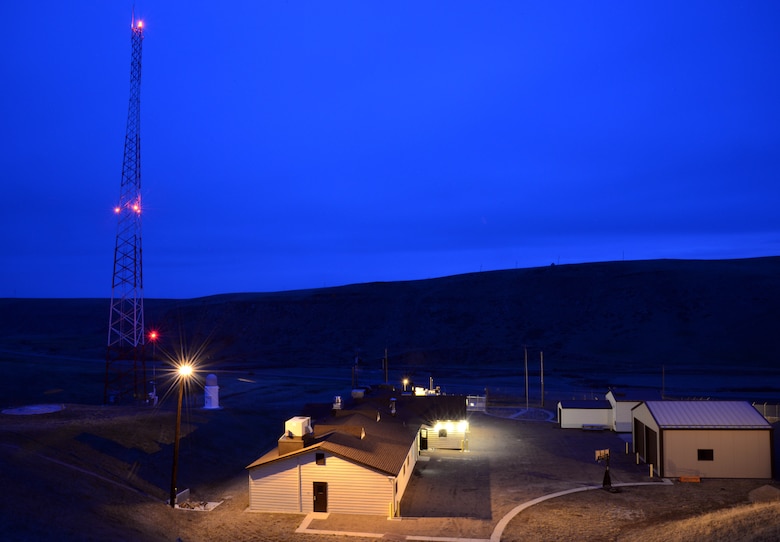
<point>297,435</point>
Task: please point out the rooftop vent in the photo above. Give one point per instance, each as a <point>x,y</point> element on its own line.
<point>299,426</point>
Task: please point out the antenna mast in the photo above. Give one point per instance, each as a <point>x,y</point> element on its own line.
<point>125,361</point>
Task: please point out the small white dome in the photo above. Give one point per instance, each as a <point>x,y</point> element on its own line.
<point>211,380</point>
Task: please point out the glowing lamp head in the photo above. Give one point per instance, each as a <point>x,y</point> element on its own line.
<point>117,210</point>
<point>140,24</point>
<point>185,370</point>
<point>153,335</point>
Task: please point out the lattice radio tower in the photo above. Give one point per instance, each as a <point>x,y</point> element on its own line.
<point>125,360</point>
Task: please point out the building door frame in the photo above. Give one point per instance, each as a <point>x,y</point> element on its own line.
<point>320,496</point>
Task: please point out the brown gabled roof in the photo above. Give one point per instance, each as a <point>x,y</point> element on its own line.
<point>378,450</point>
<point>322,430</point>
<point>368,434</point>
<point>383,447</point>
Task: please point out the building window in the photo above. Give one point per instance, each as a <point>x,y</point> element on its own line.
<point>706,455</point>
<point>320,458</point>
<point>442,433</point>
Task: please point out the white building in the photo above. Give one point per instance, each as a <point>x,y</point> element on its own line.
<point>585,414</point>
<point>445,435</point>
<point>708,439</point>
<point>614,412</point>
<point>357,461</point>
<point>622,404</point>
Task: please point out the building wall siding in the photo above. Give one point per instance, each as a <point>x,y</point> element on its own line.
<point>275,487</point>
<point>288,486</point>
<point>352,489</point>
<point>623,417</point>
<point>736,453</point>
<point>575,418</point>
<point>455,440</point>
<point>406,474</point>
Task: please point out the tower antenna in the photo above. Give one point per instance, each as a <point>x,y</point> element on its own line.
<point>125,360</point>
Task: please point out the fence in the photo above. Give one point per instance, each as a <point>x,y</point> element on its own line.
<point>770,412</point>
<point>476,403</point>
<point>480,402</point>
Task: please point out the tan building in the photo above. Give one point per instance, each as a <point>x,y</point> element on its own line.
<point>356,461</point>
<point>707,439</point>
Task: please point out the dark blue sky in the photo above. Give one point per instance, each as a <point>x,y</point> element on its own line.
<point>304,144</point>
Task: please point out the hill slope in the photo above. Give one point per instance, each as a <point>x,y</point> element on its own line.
<point>636,313</point>
<point>719,312</point>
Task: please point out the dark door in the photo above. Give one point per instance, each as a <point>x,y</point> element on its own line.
<point>639,439</point>
<point>320,496</point>
<point>652,450</point>
<point>423,439</point>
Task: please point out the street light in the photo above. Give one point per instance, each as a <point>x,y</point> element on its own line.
<point>406,383</point>
<point>184,372</point>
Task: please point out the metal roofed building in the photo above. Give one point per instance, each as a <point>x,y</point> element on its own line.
<point>707,439</point>
<point>356,461</point>
<point>623,403</point>
<point>613,412</point>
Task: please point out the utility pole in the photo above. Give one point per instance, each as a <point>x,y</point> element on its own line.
<point>125,360</point>
<point>525,351</point>
<point>541,366</point>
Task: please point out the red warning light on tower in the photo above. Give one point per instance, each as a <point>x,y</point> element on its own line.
<point>125,356</point>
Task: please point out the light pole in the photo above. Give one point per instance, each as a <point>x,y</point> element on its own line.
<point>185,370</point>
<point>525,351</point>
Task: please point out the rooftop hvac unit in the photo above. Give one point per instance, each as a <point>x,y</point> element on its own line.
<point>298,426</point>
